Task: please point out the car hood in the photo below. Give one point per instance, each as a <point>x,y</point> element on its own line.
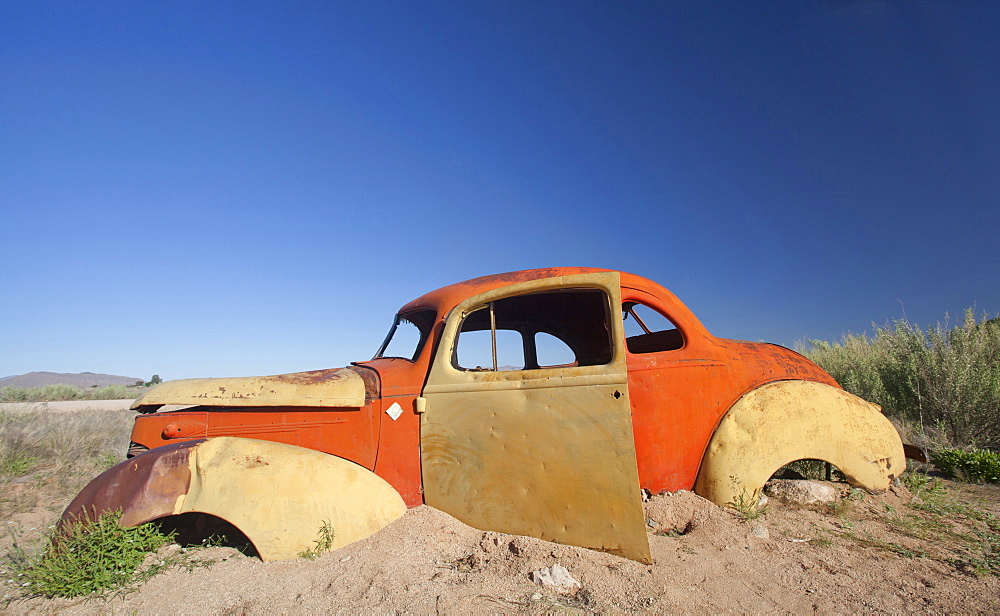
<point>337,387</point>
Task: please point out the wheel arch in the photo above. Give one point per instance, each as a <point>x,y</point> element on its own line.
<point>783,421</point>
<point>278,495</point>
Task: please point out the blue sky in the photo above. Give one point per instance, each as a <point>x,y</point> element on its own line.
<point>213,189</point>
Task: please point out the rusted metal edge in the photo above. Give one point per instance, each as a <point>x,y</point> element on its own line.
<point>143,488</point>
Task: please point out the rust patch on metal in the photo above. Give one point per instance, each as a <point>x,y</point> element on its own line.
<point>144,488</point>
<point>312,376</point>
<point>253,462</point>
<point>914,453</point>
<point>373,384</point>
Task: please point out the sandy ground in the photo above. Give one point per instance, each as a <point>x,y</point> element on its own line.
<point>68,405</point>
<point>792,560</point>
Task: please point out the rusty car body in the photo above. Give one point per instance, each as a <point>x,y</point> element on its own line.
<point>536,402</point>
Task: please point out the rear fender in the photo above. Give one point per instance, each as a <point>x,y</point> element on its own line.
<point>786,421</point>
<point>278,495</point>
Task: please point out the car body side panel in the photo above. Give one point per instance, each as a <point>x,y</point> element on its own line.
<point>351,433</point>
<point>399,450</point>
<point>678,402</point>
<point>678,397</point>
<point>402,380</point>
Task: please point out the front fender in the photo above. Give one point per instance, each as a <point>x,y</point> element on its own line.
<point>278,495</point>
<point>785,421</point>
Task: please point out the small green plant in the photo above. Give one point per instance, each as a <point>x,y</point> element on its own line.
<point>16,463</point>
<point>916,482</point>
<point>988,560</point>
<point>89,558</point>
<point>746,504</point>
<point>888,546</point>
<point>977,465</point>
<point>842,507</point>
<point>106,460</point>
<point>947,518</point>
<point>324,542</point>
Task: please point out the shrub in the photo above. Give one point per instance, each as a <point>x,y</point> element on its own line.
<point>324,542</point>
<point>946,380</point>
<point>974,465</point>
<point>90,557</point>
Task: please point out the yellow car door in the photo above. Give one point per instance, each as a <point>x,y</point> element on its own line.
<point>526,426</point>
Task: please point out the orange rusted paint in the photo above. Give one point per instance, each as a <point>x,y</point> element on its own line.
<point>349,435</point>
<point>398,460</point>
<point>678,397</point>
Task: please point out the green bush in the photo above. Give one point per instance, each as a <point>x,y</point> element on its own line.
<point>945,380</point>
<point>90,558</point>
<point>974,465</point>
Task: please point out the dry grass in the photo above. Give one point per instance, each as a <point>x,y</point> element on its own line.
<point>47,457</point>
<point>69,392</point>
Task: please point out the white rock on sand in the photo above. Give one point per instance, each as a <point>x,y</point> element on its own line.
<point>555,576</point>
<point>801,491</point>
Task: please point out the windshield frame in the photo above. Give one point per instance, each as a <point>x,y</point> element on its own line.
<point>427,316</point>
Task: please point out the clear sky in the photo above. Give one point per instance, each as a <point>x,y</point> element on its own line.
<point>224,189</point>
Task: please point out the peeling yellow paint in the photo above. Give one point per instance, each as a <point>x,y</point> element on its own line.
<point>179,504</point>
<point>786,421</point>
<point>280,495</point>
<point>336,388</point>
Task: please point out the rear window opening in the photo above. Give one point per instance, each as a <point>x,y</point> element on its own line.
<point>649,331</point>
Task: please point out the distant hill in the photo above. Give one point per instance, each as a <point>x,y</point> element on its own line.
<point>83,379</point>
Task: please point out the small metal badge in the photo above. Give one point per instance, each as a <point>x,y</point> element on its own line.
<point>394,411</point>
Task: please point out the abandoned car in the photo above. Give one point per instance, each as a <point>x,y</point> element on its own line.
<point>537,403</point>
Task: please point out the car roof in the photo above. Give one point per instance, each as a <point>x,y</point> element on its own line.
<point>445,298</point>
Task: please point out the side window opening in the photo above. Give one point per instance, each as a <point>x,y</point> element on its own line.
<point>568,327</point>
<point>649,331</point>
<point>476,351</point>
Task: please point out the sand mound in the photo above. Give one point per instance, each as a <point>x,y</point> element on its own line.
<point>706,559</point>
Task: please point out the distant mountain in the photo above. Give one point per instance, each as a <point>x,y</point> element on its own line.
<point>83,379</point>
